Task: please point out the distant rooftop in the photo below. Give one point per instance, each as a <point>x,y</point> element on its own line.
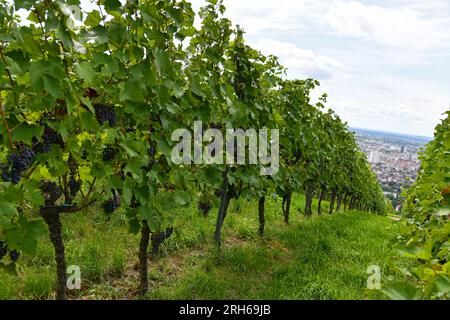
<point>392,135</point>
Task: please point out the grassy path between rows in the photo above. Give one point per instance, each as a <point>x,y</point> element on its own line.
<point>320,258</point>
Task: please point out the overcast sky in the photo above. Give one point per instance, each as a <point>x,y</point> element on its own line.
<point>385,64</point>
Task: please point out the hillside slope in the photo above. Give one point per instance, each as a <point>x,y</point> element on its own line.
<point>320,258</point>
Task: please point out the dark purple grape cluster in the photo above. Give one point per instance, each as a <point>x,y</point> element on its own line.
<point>51,191</point>
<point>74,183</point>
<point>134,203</point>
<point>74,186</point>
<point>4,168</point>
<point>297,154</point>
<point>104,114</point>
<point>13,254</point>
<point>109,153</point>
<point>159,237</point>
<point>3,249</point>
<point>216,126</point>
<point>50,137</point>
<point>121,175</point>
<point>111,205</point>
<point>152,151</point>
<point>73,165</point>
<point>18,162</point>
<point>204,206</point>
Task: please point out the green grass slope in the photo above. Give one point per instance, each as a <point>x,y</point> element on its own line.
<point>320,258</point>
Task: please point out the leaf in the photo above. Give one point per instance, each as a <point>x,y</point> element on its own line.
<point>25,4</point>
<point>133,147</point>
<point>98,171</point>
<point>172,108</point>
<point>26,132</point>
<point>25,235</point>
<point>8,209</point>
<point>442,284</point>
<point>162,61</point>
<point>7,212</point>
<point>182,198</point>
<point>64,35</point>
<point>163,95</point>
<point>196,87</point>
<point>176,15</point>
<point>93,18</point>
<point>52,86</point>
<point>87,102</point>
<point>134,90</point>
<point>134,167</point>
<point>85,72</point>
<point>112,5</point>
<point>88,121</point>
<point>147,214</point>
<point>33,193</point>
<point>401,291</point>
<point>165,200</point>
<point>127,195</point>
<point>36,80</point>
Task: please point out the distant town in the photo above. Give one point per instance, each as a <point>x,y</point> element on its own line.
<point>394,158</point>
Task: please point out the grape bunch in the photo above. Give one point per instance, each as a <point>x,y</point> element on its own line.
<point>121,175</point>
<point>73,165</point>
<point>112,204</point>
<point>50,137</point>
<point>3,249</point>
<point>51,191</point>
<point>4,168</point>
<point>74,186</point>
<point>134,203</point>
<point>216,126</point>
<point>109,153</point>
<point>104,114</point>
<point>91,93</point>
<point>297,155</point>
<point>18,162</point>
<point>204,206</point>
<point>159,237</point>
<point>13,254</point>
<point>152,151</point>
<point>74,183</point>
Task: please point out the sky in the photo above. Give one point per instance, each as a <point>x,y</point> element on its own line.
<point>384,64</point>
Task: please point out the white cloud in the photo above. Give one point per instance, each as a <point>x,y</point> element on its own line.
<point>300,63</point>
<point>398,27</point>
<point>388,103</point>
<point>260,17</point>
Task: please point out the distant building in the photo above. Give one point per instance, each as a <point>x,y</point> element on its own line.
<point>375,157</point>
<point>402,149</point>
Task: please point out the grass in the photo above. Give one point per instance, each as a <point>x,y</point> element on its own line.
<point>320,258</point>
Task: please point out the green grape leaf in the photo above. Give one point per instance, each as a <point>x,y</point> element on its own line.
<point>86,72</point>
<point>26,132</point>
<point>401,291</point>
